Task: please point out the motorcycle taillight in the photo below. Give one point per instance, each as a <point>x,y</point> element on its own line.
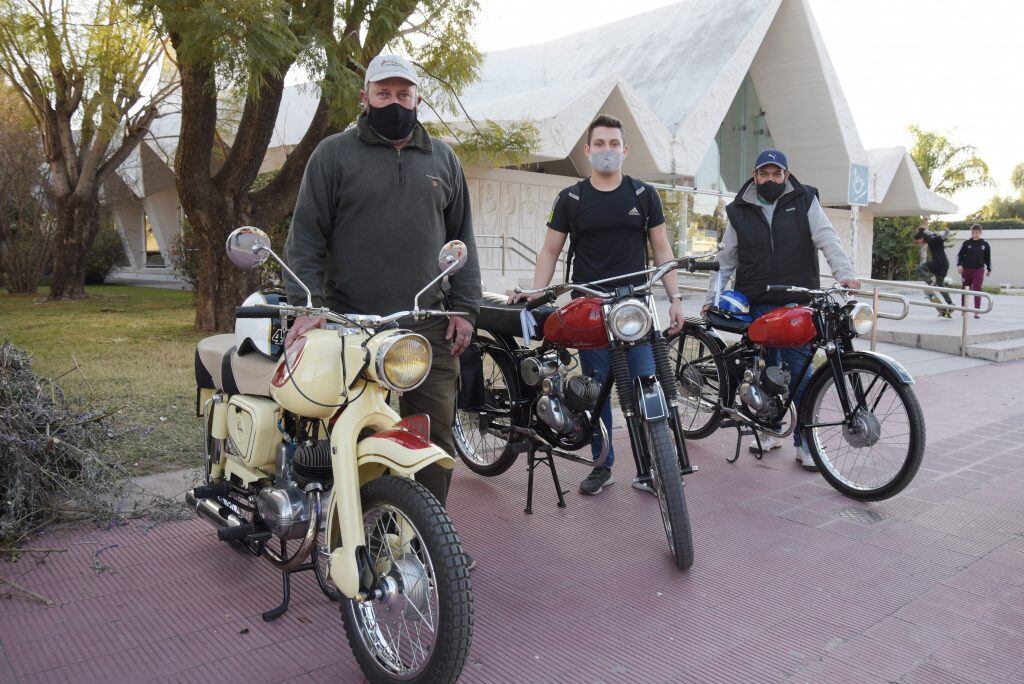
<point>418,424</point>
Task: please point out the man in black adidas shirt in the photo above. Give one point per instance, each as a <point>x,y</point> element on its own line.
<point>608,219</point>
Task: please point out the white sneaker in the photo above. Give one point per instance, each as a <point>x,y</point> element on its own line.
<point>804,458</point>
<point>767,444</point>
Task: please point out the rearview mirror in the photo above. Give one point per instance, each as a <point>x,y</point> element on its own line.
<point>248,247</point>
<point>453,257</point>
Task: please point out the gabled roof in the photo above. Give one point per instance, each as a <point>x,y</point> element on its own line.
<point>896,187</point>
<point>671,75</point>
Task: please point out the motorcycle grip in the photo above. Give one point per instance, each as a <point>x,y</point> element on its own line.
<point>703,266</point>
<point>257,311</point>
<point>543,300</point>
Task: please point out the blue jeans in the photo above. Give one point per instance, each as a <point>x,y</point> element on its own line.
<point>794,358</point>
<point>597,363</point>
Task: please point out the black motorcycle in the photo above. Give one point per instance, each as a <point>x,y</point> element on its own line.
<point>859,416</point>
<point>517,399</point>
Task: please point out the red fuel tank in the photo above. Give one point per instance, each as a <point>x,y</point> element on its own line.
<point>577,325</point>
<point>784,327</point>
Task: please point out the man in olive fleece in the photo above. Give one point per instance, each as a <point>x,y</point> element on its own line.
<point>376,205</point>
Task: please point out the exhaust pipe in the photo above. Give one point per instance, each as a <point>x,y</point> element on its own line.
<point>223,518</point>
<point>220,516</point>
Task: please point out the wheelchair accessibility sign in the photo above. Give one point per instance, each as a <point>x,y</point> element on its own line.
<point>858,192</point>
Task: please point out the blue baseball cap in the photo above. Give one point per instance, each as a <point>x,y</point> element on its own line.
<point>771,156</point>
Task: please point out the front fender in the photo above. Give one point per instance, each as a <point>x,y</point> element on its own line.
<point>901,373</point>
<point>650,398</point>
<point>402,452</point>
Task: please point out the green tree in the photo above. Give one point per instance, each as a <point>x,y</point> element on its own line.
<point>894,255</point>
<point>79,69</point>
<point>1017,178</point>
<point>945,166</point>
<point>248,48</point>
<point>1000,207</point>
<point>26,225</point>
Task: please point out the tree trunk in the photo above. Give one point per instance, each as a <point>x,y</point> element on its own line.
<point>220,286</point>
<point>77,225</point>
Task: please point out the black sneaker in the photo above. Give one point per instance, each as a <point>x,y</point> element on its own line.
<point>596,481</point>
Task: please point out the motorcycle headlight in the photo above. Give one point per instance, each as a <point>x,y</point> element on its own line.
<point>402,361</point>
<point>862,318</point>
<point>629,320</point>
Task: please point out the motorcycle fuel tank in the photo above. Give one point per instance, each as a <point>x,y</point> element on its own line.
<point>578,325</point>
<point>788,326</point>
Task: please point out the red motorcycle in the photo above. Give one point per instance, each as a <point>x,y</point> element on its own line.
<point>859,416</point>
<point>516,399</point>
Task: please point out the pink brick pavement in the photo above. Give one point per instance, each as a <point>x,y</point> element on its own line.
<point>788,584</point>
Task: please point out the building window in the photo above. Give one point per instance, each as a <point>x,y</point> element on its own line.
<point>152,256</point>
<point>741,137</point>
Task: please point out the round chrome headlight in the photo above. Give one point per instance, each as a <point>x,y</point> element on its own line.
<point>403,361</point>
<point>862,318</point>
<point>629,320</point>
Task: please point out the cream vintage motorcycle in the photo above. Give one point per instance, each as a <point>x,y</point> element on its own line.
<point>282,432</point>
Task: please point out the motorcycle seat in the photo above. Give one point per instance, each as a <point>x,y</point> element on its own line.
<point>727,323</point>
<point>220,366</point>
<point>500,317</point>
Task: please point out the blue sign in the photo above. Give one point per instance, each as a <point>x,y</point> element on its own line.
<point>858,192</point>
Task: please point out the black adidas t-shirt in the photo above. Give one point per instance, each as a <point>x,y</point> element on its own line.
<point>609,235</point>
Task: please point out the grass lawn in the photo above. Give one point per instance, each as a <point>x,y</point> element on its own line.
<point>135,347</point>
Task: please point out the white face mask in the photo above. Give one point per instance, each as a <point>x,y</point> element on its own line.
<point>607,161</point>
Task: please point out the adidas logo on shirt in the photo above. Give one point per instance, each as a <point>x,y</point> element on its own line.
<point>633,212</point>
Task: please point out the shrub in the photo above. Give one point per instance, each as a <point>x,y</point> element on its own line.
<point>1001,224</point>
<point>107,253</point>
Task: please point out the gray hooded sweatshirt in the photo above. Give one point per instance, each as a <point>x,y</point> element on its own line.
<point>370,220</point>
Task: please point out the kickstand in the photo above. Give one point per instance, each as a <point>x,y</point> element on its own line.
<point>286,585</point>
<point>533,459</point>
<point>740,434</point>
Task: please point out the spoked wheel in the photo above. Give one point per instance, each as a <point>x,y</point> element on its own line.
<point>700,381</point>
<point>419,627</point>
<point>877,454</point>
<point>668,485</point>
<point>477,430</point>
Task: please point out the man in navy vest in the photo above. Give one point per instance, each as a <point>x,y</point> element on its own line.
<point>776,227</point>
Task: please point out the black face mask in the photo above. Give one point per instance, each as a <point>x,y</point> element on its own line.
<point>393,122</point>
<point>770,190</point>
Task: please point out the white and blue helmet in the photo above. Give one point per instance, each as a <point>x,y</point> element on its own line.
<point>734,303</point>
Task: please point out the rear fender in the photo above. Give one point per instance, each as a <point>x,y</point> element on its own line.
<point>699,324</point>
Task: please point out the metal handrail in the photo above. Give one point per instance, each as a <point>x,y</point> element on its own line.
<point>963,308</point>
<point>518,247</point>
<point>530,255</point>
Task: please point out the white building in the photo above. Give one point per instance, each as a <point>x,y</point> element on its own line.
<point>701,86</point>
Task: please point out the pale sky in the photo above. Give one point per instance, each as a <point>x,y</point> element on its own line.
<point>948,65</point>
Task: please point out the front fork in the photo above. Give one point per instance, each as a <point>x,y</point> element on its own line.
<point>651,390</point>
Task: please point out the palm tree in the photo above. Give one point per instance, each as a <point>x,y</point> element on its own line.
<point>945,166</point>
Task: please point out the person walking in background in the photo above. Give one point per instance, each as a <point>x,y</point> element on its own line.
<point>937,266</point>
<point>973,262</point>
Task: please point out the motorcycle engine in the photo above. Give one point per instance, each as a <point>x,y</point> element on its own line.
<point>284,511</point>
<point>283,506</point>
<point>764,389</point>
<point>563,402</point>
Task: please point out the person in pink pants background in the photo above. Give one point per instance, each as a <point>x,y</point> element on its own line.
<point>973,262</point>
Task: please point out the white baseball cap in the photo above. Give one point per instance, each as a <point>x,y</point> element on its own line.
<point>383,67</point>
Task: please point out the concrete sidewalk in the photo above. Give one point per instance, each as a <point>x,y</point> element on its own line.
<point>792,581</point>
<point>995,336</point>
